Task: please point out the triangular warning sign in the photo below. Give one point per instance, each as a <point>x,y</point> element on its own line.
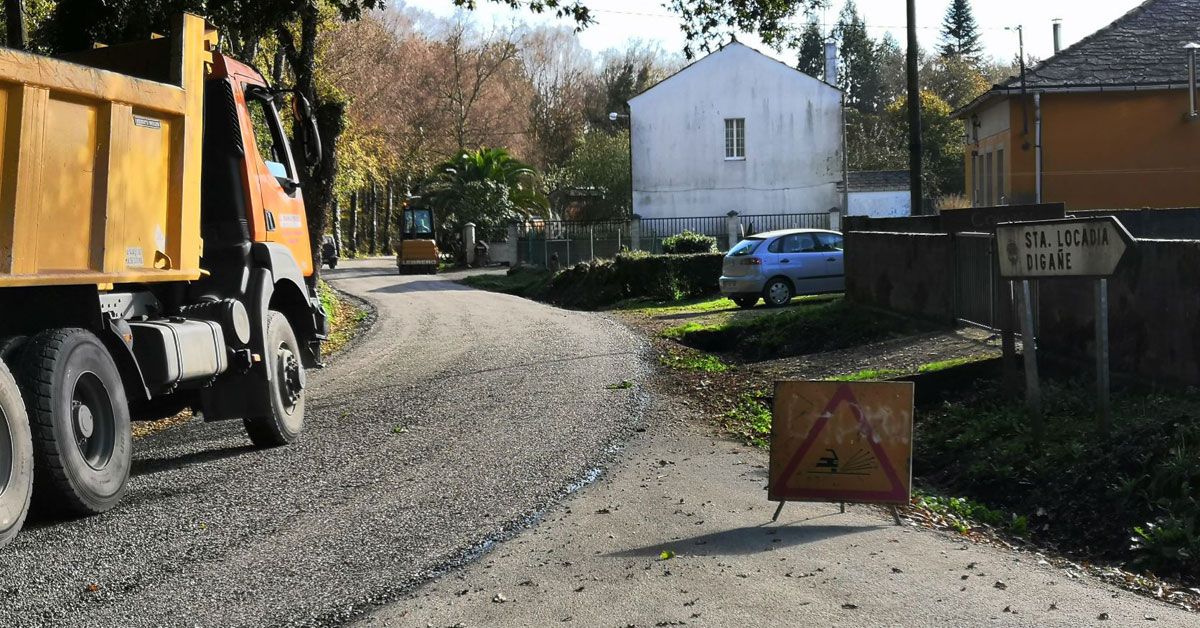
<point>857,448</point>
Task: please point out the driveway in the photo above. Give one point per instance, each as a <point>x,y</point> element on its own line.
<point>455,421</point>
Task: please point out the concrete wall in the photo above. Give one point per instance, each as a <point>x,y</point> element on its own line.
<point>881,204</point>
<point>1163,224</point>
<point>793,140</point>
<point>911,273</point>
<point>1153,301</point>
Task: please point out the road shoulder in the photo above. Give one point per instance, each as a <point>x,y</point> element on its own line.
<point>598,558</point>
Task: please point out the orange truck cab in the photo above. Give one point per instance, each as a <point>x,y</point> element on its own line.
<point>154,257</point>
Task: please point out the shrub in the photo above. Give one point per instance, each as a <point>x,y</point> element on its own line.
<point>689,242</point>
<point>599,283</point>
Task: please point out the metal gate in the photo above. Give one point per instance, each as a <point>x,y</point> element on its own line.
<point>976,280</point>
<point>977,284</point>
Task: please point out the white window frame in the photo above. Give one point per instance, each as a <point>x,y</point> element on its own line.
<point>735,138</point>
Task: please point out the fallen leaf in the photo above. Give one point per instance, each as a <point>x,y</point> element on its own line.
<point>897,570</point>
<point>849,606</point>
<point>92,587</point>
<point>666,555</point>
<point>1000,585</point>
<point>1102,617</point>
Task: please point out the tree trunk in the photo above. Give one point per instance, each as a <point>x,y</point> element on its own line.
<point>354,222</point>
<point>14,19</point>
<point>337,225</point>
<point>387,221</point>
<point>317,183</point>
<point>374,218</point>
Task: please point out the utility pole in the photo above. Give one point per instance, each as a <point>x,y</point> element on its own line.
<point>914,113</point>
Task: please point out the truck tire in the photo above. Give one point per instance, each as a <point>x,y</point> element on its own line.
<point>79,418</point>
<point>285,385</point>
<point>16,458</point>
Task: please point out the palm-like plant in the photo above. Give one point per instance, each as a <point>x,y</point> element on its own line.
<point>488,187</point>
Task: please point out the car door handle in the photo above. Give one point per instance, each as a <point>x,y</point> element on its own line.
<point>831,259</point>
<point>785,261</point>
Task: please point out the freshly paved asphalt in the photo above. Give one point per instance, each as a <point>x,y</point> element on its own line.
<point>454,421</point>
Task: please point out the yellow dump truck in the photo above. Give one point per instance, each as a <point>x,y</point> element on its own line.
<point>154,257</point>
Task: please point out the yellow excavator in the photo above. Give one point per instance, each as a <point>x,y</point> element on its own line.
<point>418,250</point>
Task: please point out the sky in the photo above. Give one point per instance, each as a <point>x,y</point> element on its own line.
<point>618,21</point>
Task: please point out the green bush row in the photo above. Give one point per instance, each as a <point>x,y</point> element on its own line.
<point>635,275</point>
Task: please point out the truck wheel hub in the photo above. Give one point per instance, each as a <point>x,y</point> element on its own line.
<point>85,423</point>
<point>291,383</point>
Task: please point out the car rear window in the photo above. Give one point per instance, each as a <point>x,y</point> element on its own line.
<point>745,247</point>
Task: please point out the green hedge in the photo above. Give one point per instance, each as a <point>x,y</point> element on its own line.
<point>632,275</point>
<point>689,242</point>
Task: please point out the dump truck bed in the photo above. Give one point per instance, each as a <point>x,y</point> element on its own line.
<point>100,169</point>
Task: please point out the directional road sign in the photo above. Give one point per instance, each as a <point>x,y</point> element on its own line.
<point>1069,247</point>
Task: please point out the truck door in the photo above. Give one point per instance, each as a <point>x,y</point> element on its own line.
<point>273,171</point>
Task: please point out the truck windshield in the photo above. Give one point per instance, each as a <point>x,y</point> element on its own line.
<point>745,247</point>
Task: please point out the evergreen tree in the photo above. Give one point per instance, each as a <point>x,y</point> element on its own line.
<point>812,50</point>
<point>960,33</point>
<point>860,76</point>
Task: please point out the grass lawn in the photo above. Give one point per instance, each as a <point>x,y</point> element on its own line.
<point>814,325</point>
<point>526,283</point>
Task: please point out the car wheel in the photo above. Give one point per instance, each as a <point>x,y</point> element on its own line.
<point>778,292</point>
<point>332,264</point>
<point>79,419</point>
<point>16,458</point>
<point>745,302</point>
<point>285,383</point>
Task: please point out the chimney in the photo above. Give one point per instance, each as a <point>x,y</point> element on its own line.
<point>1057,35</point>
<point>831,62</point>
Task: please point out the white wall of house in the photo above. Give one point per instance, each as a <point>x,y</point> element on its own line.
<point>884,204</point>
<point>793,142</point>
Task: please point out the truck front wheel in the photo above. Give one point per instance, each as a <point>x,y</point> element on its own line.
<point>16,458</point>
<point>285,385</point>
<point>80,421</point>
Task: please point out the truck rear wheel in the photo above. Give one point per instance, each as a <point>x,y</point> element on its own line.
<point>80,421</point>
<point>16,458</point>
<point>285,385</point>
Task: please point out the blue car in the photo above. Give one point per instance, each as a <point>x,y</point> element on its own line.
<point>779,265</point>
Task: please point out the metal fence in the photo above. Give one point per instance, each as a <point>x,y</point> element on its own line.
<point>570,242</point>
<point>655,230</point>
<point>773,222</point>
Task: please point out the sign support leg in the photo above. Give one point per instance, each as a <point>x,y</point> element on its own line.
<point>1033,390</point>
<point>843,508</point>
<point>1103,403</point>
<point>778,510</point>
<point>1008,340</point>
<point>896,515</point>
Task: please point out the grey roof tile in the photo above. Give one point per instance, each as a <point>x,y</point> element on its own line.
<point>1142,47</point>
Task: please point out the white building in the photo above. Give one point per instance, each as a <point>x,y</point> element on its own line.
<point>880,194</point>
<point>736,131</point>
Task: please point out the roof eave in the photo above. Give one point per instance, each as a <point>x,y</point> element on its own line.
<point>1081,88</point>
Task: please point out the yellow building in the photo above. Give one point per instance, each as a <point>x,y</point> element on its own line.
<point>1107,123</point>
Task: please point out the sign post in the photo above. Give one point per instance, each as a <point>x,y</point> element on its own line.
<point>1069,247</point>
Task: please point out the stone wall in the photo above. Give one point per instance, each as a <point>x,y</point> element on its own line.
<point>1154,314</point>
<point>910,273</point>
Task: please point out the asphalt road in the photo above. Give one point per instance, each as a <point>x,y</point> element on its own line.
<point>455,420</point>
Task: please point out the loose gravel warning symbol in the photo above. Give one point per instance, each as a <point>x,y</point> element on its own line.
<point>842,442</point>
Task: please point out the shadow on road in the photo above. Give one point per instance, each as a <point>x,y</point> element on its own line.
<point>424,285</point>
<point>746,540</point>
<point>147,466</point>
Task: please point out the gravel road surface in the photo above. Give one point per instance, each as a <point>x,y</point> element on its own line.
<point>454,421</point>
